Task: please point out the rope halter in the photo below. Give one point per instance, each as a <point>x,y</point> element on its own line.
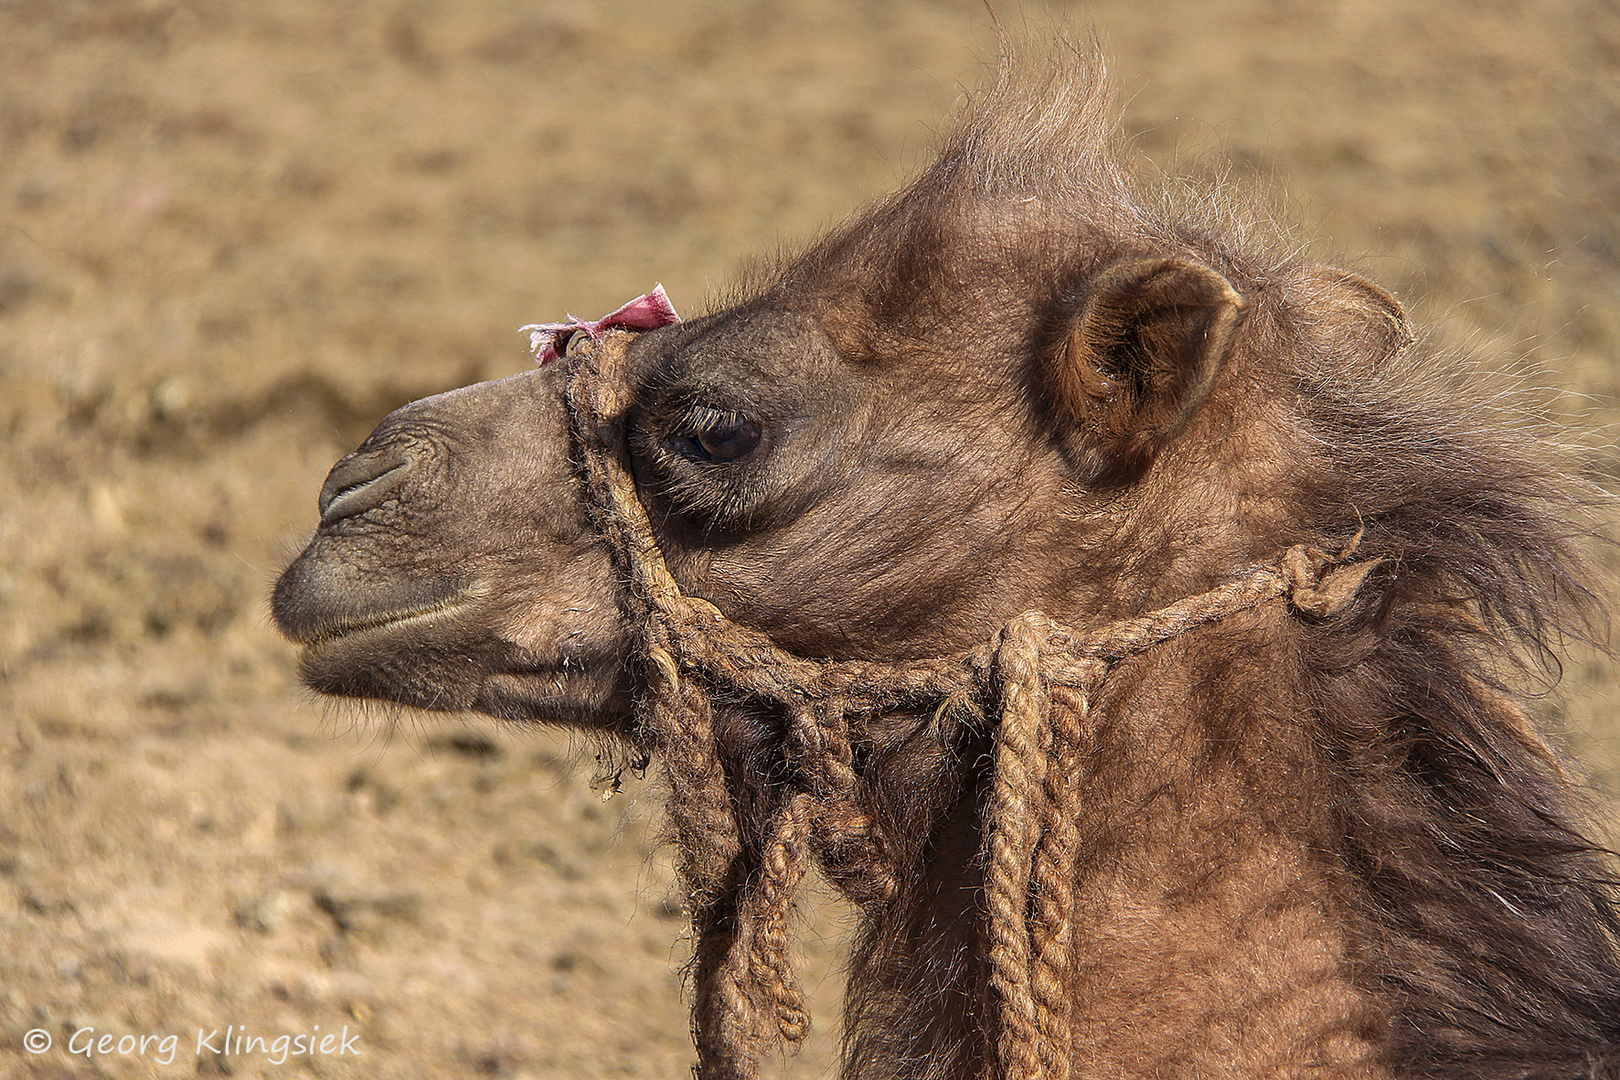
<point>1036,678</point>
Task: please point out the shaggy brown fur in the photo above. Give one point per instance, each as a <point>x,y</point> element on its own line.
<point>1305,843</point>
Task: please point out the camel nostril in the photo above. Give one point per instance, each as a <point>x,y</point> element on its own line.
<point>360,482</point>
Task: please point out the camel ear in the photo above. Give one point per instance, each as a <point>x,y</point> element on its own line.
<point>1140,354</point>
<point>1353,317</point>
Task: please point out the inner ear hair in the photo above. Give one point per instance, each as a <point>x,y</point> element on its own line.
<point>1138,355</point>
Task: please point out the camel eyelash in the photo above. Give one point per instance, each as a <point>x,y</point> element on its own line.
<point>688,481</point>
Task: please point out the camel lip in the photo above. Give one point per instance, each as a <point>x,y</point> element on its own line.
<point>314,637</point>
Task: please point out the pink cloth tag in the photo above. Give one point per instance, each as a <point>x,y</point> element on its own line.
<point>643,313</point>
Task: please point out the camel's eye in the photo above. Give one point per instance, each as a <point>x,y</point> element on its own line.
<point>719,436</point>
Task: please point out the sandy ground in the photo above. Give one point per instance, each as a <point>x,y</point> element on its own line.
<point>234,234</point>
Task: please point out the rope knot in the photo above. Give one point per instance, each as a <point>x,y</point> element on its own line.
<point>1323,583</point>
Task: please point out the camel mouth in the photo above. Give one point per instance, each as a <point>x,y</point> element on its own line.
<point>314,637</point>
<point>397,655</point>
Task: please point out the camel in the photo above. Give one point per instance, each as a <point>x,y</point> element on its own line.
<point>1130,621</point>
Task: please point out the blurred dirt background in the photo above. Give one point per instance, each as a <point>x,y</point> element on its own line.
<point>235,233</point>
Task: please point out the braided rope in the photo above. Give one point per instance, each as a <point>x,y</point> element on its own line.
<point>1020,772</point>
<point>1045,677</point>
<point>1053,875</point>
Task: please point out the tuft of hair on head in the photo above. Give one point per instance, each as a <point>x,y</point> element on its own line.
<point>1044,126</point>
